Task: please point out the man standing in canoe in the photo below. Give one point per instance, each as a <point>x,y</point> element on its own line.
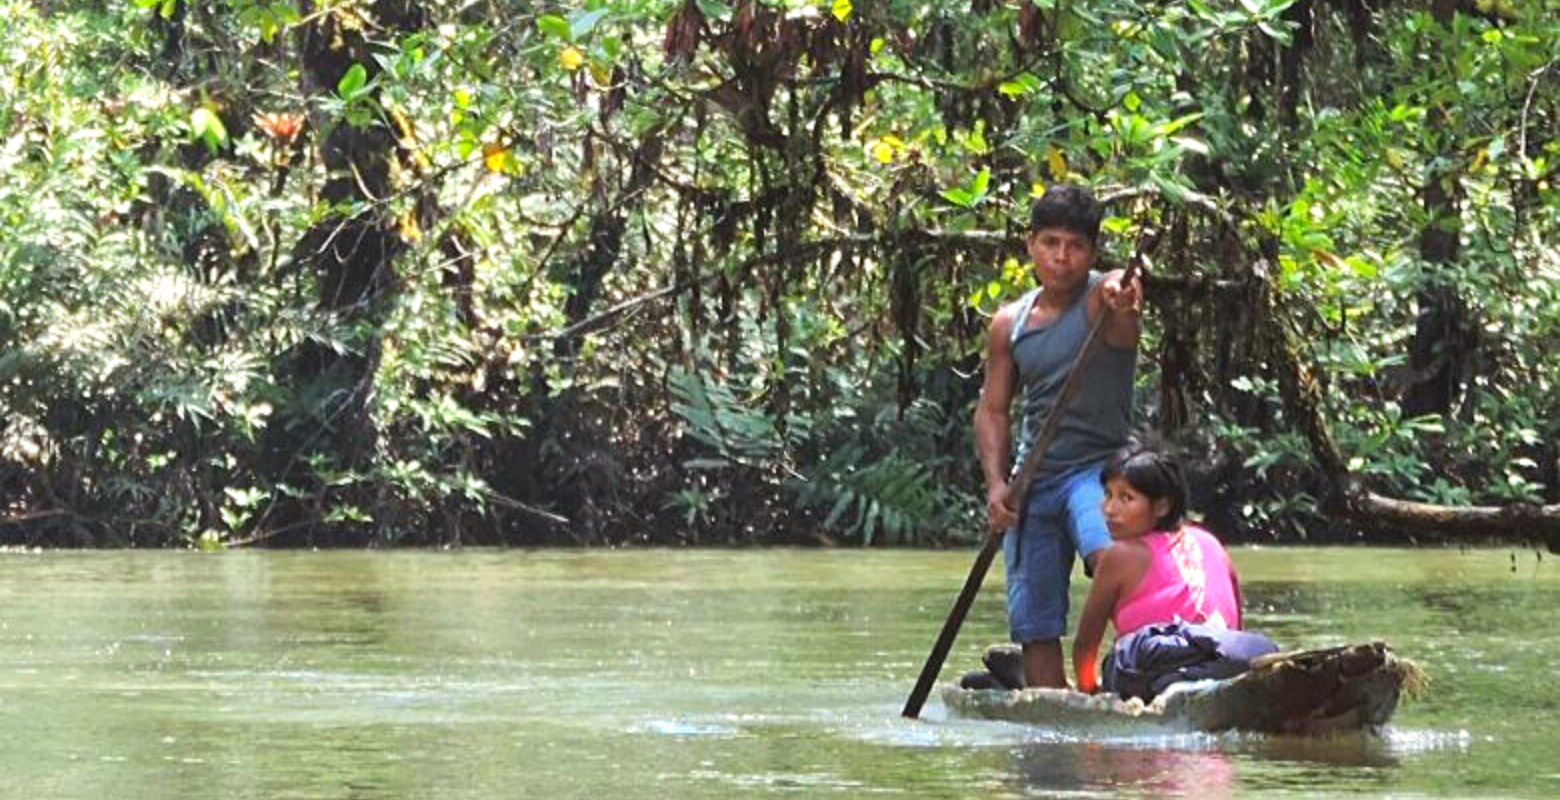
<point>1033,344</point>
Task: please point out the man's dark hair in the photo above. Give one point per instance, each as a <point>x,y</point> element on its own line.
<point>1070,207</point>
<point>1154,474</point>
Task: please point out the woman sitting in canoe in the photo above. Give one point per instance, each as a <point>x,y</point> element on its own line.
<point>1159,570</point>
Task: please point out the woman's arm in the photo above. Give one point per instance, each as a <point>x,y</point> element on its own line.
<point>1240,605</point>
<point>1103,593</point>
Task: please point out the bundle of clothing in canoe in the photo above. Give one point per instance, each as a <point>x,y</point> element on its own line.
<point>1144,663</point>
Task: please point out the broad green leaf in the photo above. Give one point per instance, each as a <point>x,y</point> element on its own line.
<point>1022,84</point>
<point>715,9</point>
<point>556,26</point>
<point>840,506</point>
<point>1274,32</point>
<point>287,13</point>
<point>582,23</point>
<point>206,126</point>
<point>959,197</point>
<point>200,119</point>
<point>978,188</point>
<point>1272,8</point>
<point>975,141</point>
<point>351,84</point>
<point>1011,88</point>
<point>841,10</point>
<point>1178,123</point>
<point>1173,191</point>
<point>1361,268</point>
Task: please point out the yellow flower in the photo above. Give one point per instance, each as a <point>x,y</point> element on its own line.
<point>571,58</point>
<point>495,156</point>
<point>409,229</point>
<point>1057,162</point>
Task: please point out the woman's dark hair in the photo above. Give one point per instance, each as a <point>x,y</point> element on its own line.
<point>1154,474</point>
<point>1070,207</point>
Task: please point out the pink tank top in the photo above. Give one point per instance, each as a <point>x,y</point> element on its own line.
<point>1188,578</point>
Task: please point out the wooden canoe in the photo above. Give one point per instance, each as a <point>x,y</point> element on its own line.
<point>1307,692</point>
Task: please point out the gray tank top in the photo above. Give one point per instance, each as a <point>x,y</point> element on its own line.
<point>1099,418</point>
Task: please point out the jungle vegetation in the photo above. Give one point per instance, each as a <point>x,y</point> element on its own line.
<point>424,272</point>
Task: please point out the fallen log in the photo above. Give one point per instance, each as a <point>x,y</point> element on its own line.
<point>1520,521</point>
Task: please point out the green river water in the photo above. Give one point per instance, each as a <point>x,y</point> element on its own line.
<point>703,674</point>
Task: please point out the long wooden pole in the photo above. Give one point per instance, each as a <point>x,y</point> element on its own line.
<point>1013,497</point>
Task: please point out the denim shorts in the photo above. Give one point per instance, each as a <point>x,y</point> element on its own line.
<point>1060,518</point>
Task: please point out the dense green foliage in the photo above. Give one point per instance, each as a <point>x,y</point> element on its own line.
<point>655,270</point>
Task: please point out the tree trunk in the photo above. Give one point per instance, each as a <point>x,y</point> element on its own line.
<point>1441,347</point>
<point>353,261</point>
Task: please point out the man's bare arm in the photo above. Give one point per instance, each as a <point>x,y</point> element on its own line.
<point>993,418</point>
<point>1123,304</point>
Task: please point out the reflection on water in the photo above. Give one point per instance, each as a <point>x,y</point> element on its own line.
<point>1211,766</point>
<point>692,675</point>
<point>1352,750</point>
<point>1149,772</point>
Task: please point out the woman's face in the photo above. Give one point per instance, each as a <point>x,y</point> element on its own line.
<point>1128,512</point>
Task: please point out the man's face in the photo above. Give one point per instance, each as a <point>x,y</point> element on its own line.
<point>1061,257</point>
